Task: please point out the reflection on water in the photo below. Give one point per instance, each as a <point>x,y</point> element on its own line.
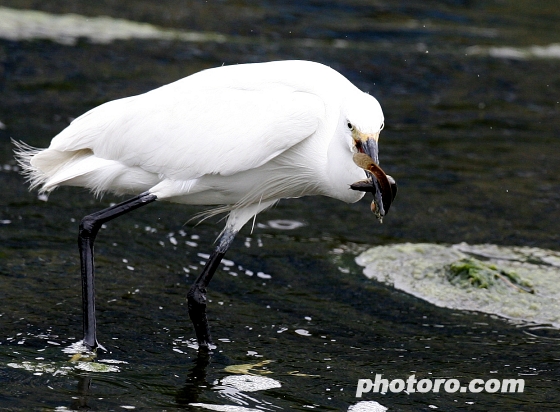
<point>367,406</point>
<point>551,51</point>
<point>67,29</point>
<point>470,95</point>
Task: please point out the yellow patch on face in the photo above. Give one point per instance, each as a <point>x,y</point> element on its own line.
<point>363,137</point>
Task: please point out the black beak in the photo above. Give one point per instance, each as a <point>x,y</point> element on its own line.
<point>371,148</point>
<point>382,186</point>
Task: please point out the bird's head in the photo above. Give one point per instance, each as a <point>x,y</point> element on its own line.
<point>367,143</point>
<point>364,122</point>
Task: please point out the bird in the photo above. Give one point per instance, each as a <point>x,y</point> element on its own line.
<point>235,138</point>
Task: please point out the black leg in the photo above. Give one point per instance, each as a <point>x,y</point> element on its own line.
<point>89,227</point>
<point>197,294</point>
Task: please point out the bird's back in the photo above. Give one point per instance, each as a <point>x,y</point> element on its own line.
<point>218,122</point>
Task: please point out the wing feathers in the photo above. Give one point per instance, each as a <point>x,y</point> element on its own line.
<point>184,135</point>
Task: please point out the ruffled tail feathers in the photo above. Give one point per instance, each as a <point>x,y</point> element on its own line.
<point>23,155</point>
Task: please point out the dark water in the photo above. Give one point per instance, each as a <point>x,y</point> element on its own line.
<point>472,140</point>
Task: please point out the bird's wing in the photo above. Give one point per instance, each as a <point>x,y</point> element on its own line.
<point>183,132</point>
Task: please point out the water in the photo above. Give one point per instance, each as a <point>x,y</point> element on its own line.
<point>471,138</point>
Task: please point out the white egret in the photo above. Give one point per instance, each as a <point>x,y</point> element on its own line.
<point>239,137</point>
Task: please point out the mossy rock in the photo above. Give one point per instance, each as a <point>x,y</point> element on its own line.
<point>514,282</point>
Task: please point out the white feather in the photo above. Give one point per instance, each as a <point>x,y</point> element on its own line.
<point>235,136</point>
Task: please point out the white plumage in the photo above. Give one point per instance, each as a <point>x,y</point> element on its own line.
<point>237,137</point>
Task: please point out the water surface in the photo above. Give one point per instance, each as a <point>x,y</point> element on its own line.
<point>471,137</point>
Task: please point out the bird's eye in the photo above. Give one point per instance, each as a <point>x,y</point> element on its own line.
<point>350,126</point>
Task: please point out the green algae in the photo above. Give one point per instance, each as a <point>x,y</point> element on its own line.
<point>518,283</point>
<point>472,272</point>
<point>62,368</point>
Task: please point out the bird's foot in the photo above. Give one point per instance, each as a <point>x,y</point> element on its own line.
<point>197,312</point>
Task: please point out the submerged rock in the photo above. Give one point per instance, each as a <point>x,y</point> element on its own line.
<point>514,282</point>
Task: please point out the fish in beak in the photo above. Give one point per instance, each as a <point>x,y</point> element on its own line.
<point>382,186</point>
